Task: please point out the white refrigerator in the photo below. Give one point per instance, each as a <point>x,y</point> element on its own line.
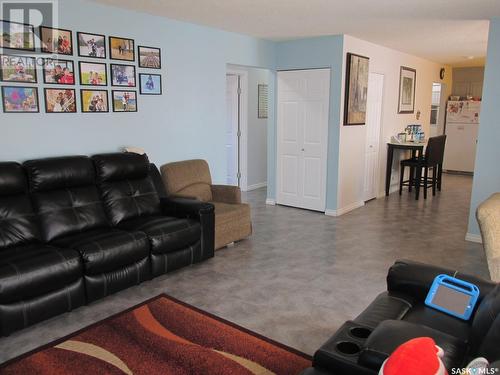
<point>462,124</point>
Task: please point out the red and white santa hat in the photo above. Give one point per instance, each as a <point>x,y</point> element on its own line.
<point>419,356</point>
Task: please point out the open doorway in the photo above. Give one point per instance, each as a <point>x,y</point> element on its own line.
<point>246,127</point>
<point>438,112</point>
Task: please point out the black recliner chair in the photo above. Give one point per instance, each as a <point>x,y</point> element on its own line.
<point>361,346</point>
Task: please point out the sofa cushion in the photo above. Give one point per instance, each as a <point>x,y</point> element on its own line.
<point>18,224</point>
<point>125,185</point>
<point>65,196</point>
<point>179,175</point>
<point>166,234</point>
<point>108,249</point>
<point>32,270</point>
<point>384,306</point>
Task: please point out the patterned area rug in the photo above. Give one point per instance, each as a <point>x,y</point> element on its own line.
<point>161,336</point>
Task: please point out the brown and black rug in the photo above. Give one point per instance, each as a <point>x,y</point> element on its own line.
<point>162,336</point>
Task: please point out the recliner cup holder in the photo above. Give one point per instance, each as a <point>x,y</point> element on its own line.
<point>348,348</point>
<point>360,332</point>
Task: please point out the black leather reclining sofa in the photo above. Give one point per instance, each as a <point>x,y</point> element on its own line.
<point>360,346</point>
<point>76,229</point>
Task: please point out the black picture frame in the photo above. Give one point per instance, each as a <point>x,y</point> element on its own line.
<point>82,104</point>
<point>361,85</point>
<point>113,101</point>
<point>31,31</point>
<point>147,66</point>
<point>111,74</point>
<point>2,60</point>
<point>59,84</point>
<point>140,84</point>
<point>45,90</point>
<point>80,63</point>
<point>110,39</point>
<point>412,90</point>
<point>93,34</point>
<point>44,50</point>
<point>21,87</point>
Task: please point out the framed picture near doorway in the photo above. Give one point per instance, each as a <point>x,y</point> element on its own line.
<point>356,89</point>
<point>407,83</point>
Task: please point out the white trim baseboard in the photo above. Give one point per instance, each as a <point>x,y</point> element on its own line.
<point>270,202</point>
<point>471,237</point>
<point>344,210</point>
<point>257,186</point>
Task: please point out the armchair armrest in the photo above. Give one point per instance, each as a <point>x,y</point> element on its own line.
<point>415,279</point>
<point>226,194</point>
<point>200,211</point>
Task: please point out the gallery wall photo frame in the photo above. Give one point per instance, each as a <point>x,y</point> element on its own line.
<point>122,75</point>
<point>20,99</point>
<point>18,69</point>
<point>150,84</point>
<point>94,101</point>
<point>60,100</point>
<point>91,45</point>
<point>124,100</point>
<point>149,57</point>
<point>59,72</point>
<point>93,73</point>
<point>356,89</point>
<point>56,40</point>
<point>407,88</point>
<point>10,29</point>
<point>121,48</point>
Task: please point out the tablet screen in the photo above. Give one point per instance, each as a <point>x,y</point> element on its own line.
<point>451,299</point>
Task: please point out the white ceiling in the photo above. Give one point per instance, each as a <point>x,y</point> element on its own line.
<point>445,31</point>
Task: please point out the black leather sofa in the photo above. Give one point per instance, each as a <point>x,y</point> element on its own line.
<point>360,346</point>
<point>76,229</point>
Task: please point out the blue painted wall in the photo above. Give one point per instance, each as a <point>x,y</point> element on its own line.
<point>321,52</point>
<point>487,170</point>
<point>187,121</point>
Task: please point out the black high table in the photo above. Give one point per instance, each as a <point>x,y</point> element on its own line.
<point>416,148</point>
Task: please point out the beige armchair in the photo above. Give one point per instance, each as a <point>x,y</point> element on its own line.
<point>191,179</point>
<point>488,216</point>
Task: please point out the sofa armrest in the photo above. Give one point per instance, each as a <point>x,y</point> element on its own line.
<point>415,279</point>
<point>202,212</point>
<point>226,194</point>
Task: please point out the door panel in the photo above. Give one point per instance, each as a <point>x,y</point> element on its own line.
<point>232,116</point>
<point>303,105</point>
<point>373,126</point>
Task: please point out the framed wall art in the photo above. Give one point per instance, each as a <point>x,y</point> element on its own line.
<point>149,57</point>
<point>94,101</point>
<point>58,72</point>
<point>407,84</point>
<point>150,84</point>
<point>60,100</point>
<point>91,45</point>
<point>93,74</point>
<point>121,48</point>
<point>356,89</point>
<point>122,75</point>
<point>262,101</point>
<point>57,41</point>
<point>17,69</point>
<point>18,99</point>
<point>124,101</point>
<point>16,35</point>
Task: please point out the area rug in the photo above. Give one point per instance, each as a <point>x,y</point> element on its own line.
<point>162,336</point>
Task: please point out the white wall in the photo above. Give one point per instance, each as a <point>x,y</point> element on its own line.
<point>352,138</point>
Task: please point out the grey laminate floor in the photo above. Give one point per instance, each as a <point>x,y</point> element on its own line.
<point>302,273</point>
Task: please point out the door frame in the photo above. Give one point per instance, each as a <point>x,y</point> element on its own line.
<point>243,124</point>
<point>278,148</point>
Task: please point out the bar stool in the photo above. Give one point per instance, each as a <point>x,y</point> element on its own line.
<point>433,159</point>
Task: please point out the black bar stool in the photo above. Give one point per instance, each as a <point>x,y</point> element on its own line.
<point>433,159</point>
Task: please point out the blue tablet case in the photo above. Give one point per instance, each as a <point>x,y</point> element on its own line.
<point>453,296</point>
